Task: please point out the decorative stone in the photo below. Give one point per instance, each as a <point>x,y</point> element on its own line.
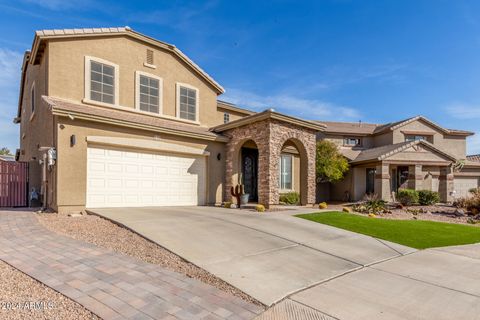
<point>270,136</point>
<point>459,213</point>
<point>233,206</point>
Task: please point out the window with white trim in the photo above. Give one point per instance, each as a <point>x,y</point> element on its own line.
<point>226,117</point>
<point>149,93</point>
<point>32,98</point>
<point>188,103</point>
<point>102,82</point>
<point>286,165</point>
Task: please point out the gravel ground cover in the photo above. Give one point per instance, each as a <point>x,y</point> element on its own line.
<point>105,234</point>
<point>22,297</point>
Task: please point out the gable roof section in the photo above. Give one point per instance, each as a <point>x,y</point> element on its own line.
<point>269,114</point>
<point>365,129</point>
<point>395,125</point>
<point>126,118</point>
<point>233,107</point>
<point>42,35</point>
<point>383,152</point>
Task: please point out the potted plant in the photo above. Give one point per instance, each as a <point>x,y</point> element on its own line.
<point>239,192</point>
<point>245,196</point>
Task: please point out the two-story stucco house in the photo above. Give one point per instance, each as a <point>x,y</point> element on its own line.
<point>414,153</point>
<point>134,122</point>
<point>113,118</point>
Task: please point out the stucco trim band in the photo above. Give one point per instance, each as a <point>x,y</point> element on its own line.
<point>146,144</point>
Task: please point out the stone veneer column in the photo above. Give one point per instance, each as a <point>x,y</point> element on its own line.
<point>445,187</point>
<point>382,181</point>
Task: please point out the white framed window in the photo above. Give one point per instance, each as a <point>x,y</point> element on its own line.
<point>286,172</point>
<point>32,98</point>
<point>349,141</point>
<point>101,81</point>
<point>187,102</point>
<point>226,117</point>
<point>148,92</point>
<point>409,138</point>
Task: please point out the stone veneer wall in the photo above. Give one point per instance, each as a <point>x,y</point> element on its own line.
<point>270,136</point>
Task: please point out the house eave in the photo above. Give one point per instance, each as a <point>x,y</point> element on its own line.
<point>269,114</point>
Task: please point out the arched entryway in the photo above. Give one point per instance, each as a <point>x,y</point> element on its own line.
<point>255,146</point>
<point>293,169</point>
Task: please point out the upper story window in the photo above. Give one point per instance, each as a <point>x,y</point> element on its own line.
<point>286,172</point>
<point>353,142</point>
<point>101,84</point>
<point>32,98</point>
<point>226,117</point>
<point>415,138</point>
<point>187,102</point>
<point>148,92</point>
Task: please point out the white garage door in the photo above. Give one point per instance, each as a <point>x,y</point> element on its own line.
<point>124,178</point>
<point>461,185</point>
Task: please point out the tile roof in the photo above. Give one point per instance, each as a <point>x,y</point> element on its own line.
<point>125,116</point>
<point>386,151</point>
<point>349,127</point>
<point>361,128</point>
<point>474,157</point>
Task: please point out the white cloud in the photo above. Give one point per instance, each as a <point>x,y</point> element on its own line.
<point>464,111</point>
<point>295,106</point>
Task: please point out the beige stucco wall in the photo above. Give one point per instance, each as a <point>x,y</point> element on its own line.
<point>455,145</point>
<point>67,72</point>
<point>72,172</point>
<point>36,129</point>
<point>233,115</point>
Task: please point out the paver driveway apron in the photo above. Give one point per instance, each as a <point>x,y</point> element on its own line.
<point>109,284</point>
<point>267,256</point>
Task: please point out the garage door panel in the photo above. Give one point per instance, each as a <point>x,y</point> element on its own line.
<point>462,185</point>
<point>119,178</point>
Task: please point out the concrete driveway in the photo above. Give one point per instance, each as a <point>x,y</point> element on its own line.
<point>268,256</point>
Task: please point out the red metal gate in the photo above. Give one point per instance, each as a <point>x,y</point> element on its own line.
<point>13,184</point>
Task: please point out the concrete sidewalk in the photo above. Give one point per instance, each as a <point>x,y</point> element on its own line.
<point>268,256</point>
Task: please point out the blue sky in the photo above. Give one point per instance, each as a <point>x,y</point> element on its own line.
<point>375,61</point>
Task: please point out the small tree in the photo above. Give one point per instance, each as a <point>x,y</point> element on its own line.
<point>5,151</point>
<point>331,165</point>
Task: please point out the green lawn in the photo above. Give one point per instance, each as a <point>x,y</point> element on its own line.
<point>411,233</point>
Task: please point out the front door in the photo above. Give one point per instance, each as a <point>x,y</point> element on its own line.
<point>249,172</point>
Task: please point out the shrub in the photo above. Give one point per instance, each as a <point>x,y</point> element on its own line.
<point>427,197</point>
<point>290,198</point>
<point>260,208</point>
<point>227,205</point>
<point>323,205</point>
<point>407,197</point>
<point>474,191</point>
<point>373,204</point>
<point>347,209</point>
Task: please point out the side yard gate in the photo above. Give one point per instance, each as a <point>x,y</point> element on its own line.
<point>13,184</point>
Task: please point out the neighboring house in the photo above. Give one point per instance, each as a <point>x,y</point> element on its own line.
<point>135,122</point>
<point>7,157</point>
<point>113,118</point>
<point>413,153</point>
